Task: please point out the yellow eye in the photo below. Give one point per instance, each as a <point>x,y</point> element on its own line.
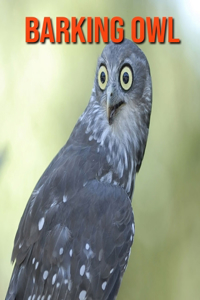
<point>126,78</point>
<point>102,77</point>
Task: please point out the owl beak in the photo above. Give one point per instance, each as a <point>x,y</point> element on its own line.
<point>113,103</point>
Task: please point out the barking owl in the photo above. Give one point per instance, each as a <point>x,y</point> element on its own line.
<point>75,235</point>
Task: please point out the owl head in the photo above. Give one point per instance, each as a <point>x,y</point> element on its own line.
<point>118,113</point>
<point>123,83</point>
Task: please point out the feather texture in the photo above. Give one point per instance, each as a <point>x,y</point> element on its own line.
<point>75,235</point>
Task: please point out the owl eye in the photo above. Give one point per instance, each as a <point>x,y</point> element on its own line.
<point>102,77</point>
<point>126,78</point>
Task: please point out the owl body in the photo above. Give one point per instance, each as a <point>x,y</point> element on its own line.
<point>74,238</point>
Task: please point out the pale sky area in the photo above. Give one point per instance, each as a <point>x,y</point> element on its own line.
<point>191,9</point>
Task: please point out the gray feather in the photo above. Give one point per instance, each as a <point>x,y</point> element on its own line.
<point>74,238</point>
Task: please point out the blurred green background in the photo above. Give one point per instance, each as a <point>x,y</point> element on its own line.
<point>43,91</point>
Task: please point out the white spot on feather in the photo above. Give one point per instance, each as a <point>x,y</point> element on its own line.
<point>45,275</point>
<point>111,271</point>
<point>64,198</point>
<point>41,224</point>
<point>108,158</point>
<point>82,295</point>
<point>70,285</point>
<point>82,270</point>
<point>36,265</point>
<point>133,228</point>
<point>88,252</point>
<point>54,279</point>
<point>36,192</point>
<point>120,168</point>
<point>107,177</point>
<point>70,253</point>
<point>130,178</point>
<point>61,251</point>
<point>33,260</point>
<point>104,285</point>
<point>54,203</point>
<point>88,275</point>
<point>126,160</point>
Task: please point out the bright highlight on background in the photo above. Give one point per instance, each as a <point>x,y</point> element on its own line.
<point>192,9</point>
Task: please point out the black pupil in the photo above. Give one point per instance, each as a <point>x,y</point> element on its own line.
<point>103,77</point>
<point>125,77</point>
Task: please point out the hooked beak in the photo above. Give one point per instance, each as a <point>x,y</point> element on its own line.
<point>113,103</point>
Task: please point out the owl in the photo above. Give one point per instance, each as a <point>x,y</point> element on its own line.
<point>75,235</point>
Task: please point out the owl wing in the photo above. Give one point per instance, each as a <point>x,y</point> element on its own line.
<point>77,247</point>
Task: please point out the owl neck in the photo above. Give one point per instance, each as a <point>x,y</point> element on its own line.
<point>115,156</point>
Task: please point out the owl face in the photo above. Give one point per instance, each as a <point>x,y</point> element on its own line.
<point>122,78</point>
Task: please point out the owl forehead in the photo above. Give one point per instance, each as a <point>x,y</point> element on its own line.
<point>114,67</point>
<point>114,56</point>
<point>115,59</point>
